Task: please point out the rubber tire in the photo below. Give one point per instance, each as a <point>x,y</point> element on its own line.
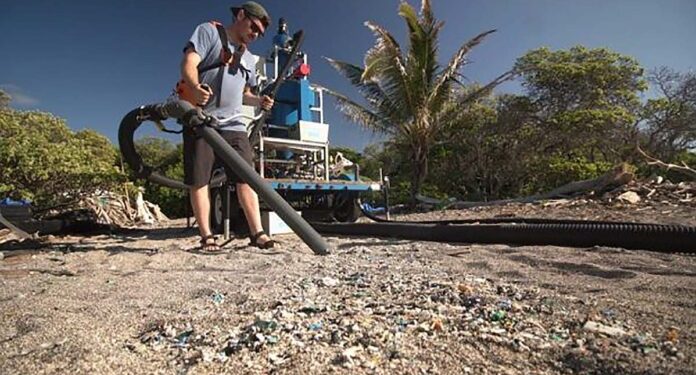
<point>238,223</point>
<point>217,207</point>
<point>346,209</point>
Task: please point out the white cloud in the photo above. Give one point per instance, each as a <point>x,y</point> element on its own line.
<point>19,98</point>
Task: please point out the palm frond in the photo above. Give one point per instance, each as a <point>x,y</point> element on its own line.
<point>427,11</point>
<point>348,70</point>
<point>422,61</point>
<point>409,15</point>
<point>384,64</point>
<point>379,101</point>
<point>485,90</point>
<point>357,113</point>
<point>385,53</point>
<point>442,87</point>
<point>369,89</point>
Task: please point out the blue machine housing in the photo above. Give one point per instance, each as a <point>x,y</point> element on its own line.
<point>292,103</point>
<point>294,150</point>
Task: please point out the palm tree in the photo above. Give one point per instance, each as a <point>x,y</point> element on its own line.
<point>408,94</point>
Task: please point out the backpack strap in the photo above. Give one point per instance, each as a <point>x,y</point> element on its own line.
<point>225,57</point>
<point>225,53</point>
<point>182,89</point>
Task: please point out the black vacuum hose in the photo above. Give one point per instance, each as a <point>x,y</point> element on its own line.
<point>126,133</point>
<point>665,238</point>
<point>529,231</point>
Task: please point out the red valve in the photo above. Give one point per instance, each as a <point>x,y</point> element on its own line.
<point>302,71</point>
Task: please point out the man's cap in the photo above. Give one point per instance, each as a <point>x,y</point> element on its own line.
<point>254,10</point>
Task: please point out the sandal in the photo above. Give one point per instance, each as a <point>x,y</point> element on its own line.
<point>207,246</point>
<point>255,238</point>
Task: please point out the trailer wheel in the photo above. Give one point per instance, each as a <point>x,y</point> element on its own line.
<point>217,209</point>
<point>238,223</point>
<point>346,208</point>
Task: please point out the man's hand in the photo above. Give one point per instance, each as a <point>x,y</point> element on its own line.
<point>202,94</point>
<point>266,102</point>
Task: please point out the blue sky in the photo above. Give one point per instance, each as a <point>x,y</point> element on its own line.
<point>90,62</point>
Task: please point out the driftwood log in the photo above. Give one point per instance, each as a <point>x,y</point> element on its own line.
<point>684,168</point>
<point>617,176</point>
<point>115,209</point>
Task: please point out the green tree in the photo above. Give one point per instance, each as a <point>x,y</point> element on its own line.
<point>490,145</point>
<point>585,98</point>
<point>376,157</point>
<point>464,166</point>
<point>43,160</point>
<point>157,152</point>
<point>585,104</point>
<point>668,128</point>
<point>406,93</point>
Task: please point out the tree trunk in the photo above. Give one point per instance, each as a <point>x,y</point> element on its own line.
<point>420,171</point>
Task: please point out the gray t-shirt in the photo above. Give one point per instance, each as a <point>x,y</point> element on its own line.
<point>206,41</point>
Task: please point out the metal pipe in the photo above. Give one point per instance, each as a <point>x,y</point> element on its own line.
<point>226,222</point>
<point>386,188</point>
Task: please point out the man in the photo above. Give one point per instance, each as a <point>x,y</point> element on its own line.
<point>221,92</point>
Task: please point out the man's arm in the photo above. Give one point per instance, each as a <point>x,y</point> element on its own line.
<point>249,98</point>
<point>189,73</point>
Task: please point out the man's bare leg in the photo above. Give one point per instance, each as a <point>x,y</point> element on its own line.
<point>200,201</point>
<point>250,204</point>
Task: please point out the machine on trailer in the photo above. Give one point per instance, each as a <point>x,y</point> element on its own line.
<point>292,150</point>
